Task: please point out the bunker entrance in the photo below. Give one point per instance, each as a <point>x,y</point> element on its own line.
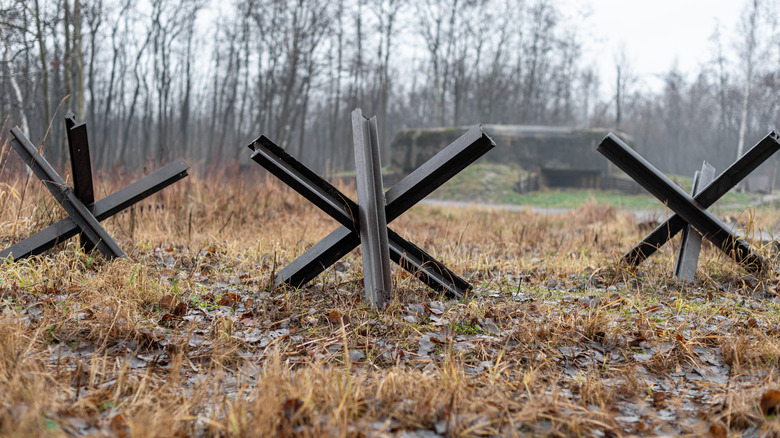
<point>554,178</point>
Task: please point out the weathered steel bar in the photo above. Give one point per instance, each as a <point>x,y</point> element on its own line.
<point>103,209</point>
<point>462,152</point>
<point>414,187</point>
<point>431,271</point>
<point>81,167</point>
<point>371,207</point>
<point>690,241</point>
<point>683,204</point>
<point>439,169</point>
<point>310,185</point>
<point>708,196</point>
<point>65,196</point>
<point>344,239</point>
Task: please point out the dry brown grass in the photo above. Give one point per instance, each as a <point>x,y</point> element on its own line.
<point>189,337</point>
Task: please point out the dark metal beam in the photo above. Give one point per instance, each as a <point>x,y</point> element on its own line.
<point>95,233</point>
<point>708,196</point>
<point>414,187</point>
<point>683,204</point>
<point>431,175</point>
<point>103,209</point>
<point>343,240</point>
<point>690,241</point>
<point>81,167</point>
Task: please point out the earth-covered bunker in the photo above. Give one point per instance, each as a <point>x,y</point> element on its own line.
<point>559,156</point>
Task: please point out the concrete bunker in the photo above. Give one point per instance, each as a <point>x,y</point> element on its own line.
<point>554,157</point>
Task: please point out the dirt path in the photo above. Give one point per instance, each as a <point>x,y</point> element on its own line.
<point>640,215</point>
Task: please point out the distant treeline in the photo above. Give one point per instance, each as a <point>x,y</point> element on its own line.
<point>159,79</point>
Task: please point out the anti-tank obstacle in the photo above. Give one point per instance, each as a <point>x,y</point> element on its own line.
<point>691,210</point>
<point>363,222</point>
<point>84,214</point>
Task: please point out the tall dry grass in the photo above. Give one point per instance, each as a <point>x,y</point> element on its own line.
<point>190,337</point>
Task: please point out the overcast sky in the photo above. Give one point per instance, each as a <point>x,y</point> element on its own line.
<point>656,33</point>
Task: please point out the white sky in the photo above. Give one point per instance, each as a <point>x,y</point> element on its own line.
<point>656,34</point>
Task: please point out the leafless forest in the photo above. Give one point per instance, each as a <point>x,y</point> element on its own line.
<point>159,79</point>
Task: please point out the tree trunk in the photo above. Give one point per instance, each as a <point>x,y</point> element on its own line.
<point>67,57</point>
<point>78,58</point>
<point>750,48</point>
<point>41,38</point>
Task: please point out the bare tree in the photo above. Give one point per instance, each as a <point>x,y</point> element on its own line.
<point>748,52</point>
<point>40,36</point>
<point>12,75</point>
<point>625,80</point>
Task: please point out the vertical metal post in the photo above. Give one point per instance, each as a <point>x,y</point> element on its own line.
<point>690,243</point>
<point>371,207</point>
<point>81,168</point>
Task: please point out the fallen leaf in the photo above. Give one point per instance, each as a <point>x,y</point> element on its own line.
<point>168,273</point>
<point>180,309</point>
<point>46,290</point>
<point>659,399</point>
<point>770,403</point>
<point>291,407</point>
<point>167,302</point>
<point>337,318</point>
<point>119,426</point>
<point>226,300</point>
<point>717,430</point>
<point>167,319</point>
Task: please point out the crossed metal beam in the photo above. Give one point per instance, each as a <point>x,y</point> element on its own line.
<point>691,210</point>
<point>84,214</point>
<point>398,199</point>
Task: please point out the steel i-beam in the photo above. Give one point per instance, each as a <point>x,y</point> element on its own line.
<point>706,197</point>
<point>75,209</point>
<point>690,241</point>
<point>81,167</point>
<point>410,190</point>
<point>681,203</point>
<point>371,208</point>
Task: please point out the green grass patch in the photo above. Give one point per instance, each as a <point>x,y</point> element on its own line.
<point>494,183</point>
